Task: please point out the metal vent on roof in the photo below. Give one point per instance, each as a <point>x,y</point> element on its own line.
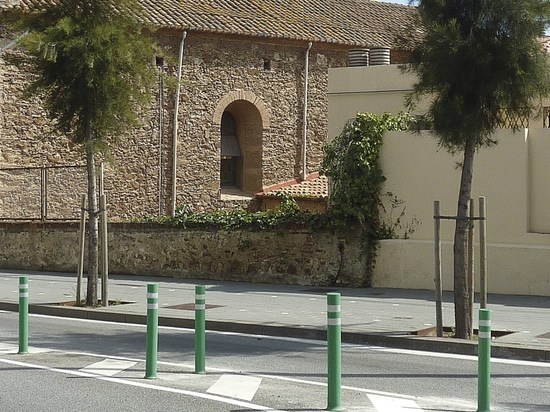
<point>379,56</point>
<point>358,57</point>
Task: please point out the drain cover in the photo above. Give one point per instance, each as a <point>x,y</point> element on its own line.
<point>191,306</point>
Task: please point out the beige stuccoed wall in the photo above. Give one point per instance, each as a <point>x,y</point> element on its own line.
<point>513,176</point>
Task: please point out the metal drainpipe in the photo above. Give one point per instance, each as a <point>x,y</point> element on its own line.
<point>175,136</point>
<point>13,43</point>
<point>304,131</point>
<point>161,140</point>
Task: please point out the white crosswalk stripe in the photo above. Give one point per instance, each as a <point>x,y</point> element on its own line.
<point>231,387</point>
<point>388,404</point>
<point>6,348</point>
<point>236,386</point>
<point>108,367</point>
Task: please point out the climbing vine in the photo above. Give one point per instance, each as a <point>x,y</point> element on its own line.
<point>288,213</point>
<point>352,162</point>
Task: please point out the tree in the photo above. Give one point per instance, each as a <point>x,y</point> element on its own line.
<point>482,62</point>
<point>92,67</point>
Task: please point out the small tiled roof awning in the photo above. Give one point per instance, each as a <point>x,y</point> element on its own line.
<point>314,187</point>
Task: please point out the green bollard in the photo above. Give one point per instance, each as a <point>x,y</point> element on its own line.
<point>484,362</point>
<point>200,329</point>
<point>334,342</point>
<point>23,314</point>
<point>152,331</point>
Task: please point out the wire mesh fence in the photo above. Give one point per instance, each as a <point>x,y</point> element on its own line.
<point>42,193</point>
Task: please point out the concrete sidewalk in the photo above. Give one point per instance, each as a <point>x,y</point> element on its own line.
<point>384,317</point>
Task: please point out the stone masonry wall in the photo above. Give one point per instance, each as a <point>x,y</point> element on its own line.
<point>139,175</point>
<point>295,257</point>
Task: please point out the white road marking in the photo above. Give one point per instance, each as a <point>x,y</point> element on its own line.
<point>108,367</point>
<point>387,404</point>
<point>7,348</point>
<point>212,397</point>
<point>456,356</point>
<point>316,342</point>
<point>13,349</point>
<point>236,386</point>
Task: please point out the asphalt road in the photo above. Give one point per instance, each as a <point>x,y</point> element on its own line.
<point>86,365</point>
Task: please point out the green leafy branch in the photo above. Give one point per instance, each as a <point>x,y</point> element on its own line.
<point>286,215</point>
<point>352,162</point>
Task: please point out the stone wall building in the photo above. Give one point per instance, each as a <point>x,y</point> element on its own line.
<point>244,118</point>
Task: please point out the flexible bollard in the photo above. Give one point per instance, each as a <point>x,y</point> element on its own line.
<point>23,314</point>
<point>334,342</point>
<point>484,362</point>
<point>200,329</point>
<point>151,348</point>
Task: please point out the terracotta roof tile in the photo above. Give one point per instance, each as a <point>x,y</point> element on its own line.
<point>314,187</point>
<point>351,22</point>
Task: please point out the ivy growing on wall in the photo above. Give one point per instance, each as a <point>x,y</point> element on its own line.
<point>288,213</point>
<point>352,162</point>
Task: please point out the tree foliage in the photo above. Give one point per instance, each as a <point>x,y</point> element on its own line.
<point>481,61</point>
<point>92,69</point>
<point>92,64</point>
<point>352,162</point>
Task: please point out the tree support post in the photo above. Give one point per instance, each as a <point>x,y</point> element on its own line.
<point>81,240</point>
<point>23,314</point>
<point>200,329</point>
<point>470,268</point>
<point>104,252</point>
<point>152,331</point>
<point>482,253</point>
<point>334,343</point>
<point>437,278</point>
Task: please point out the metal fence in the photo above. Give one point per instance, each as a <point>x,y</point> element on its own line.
<point>42,193</point>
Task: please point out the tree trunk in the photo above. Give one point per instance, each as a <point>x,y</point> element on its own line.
<point>463,317</point>
<point>93,235</point>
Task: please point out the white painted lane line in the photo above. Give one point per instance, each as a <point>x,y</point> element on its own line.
<point>236,386</point>
<point>387,404</point>
<point>144,385</point>
<point>108,367</point>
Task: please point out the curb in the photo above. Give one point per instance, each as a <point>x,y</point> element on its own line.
<point>431,344</point>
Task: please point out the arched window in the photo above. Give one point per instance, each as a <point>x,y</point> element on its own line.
<point>231,155</point>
